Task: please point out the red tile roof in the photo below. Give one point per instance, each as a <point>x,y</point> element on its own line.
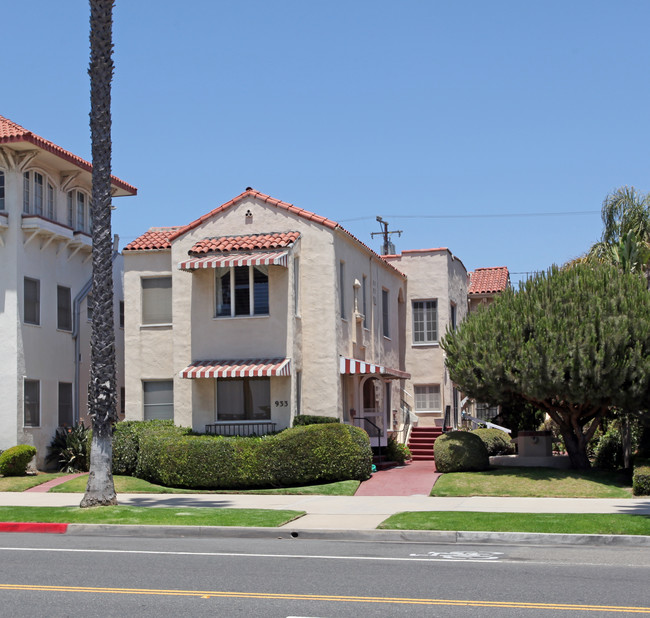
<point>155,238</point>
<point>246,243</point>
<point>11,132</point>
<point>301,212</point>
<point>489,280</point>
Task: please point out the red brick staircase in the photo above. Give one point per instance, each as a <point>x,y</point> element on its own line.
<point>421,442</point>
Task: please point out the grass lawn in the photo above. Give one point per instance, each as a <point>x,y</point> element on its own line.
<point>535,483</point>
<point>21,483</point>
<point>566,523</point>
<point>132,485</point>
<point>159,516</point>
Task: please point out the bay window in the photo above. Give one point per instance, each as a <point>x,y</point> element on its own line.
<point>242,290</point>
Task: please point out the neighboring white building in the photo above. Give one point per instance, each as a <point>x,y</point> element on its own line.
<point>260,310</point>
<point>45,250</point>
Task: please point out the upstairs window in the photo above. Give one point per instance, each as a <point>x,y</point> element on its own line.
<point>425,321</point>
<point>385,314</point>
<point>364,300</point>
<point>79,217</point>
<point>2,190</point>
<point>242,290</point>
<point>63,308</point>
<point>452,316</point>
<point>157,300</point>
<point>32,301</point>
<point>427,398</point>
<point>342,289</point>
<point>38,195</point>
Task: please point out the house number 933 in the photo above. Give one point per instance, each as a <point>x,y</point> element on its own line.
<point>281,404</point>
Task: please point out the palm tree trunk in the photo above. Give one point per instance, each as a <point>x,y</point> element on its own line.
<point>100,490</point>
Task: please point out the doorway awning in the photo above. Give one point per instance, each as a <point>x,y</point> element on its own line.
<point>249,368</point>
<point>236,258</point>
<point>352,366</point>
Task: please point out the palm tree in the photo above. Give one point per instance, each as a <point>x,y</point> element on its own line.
<point>101,397</point>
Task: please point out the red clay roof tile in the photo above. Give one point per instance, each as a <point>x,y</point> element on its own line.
<point>250,242</point>
<point>11,132</point>
<point>155,238</point>
<point>489,280</point>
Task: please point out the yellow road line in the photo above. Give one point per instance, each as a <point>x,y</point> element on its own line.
<point>206,594</point>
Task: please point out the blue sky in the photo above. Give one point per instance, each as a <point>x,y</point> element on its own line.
<point>458,122</point>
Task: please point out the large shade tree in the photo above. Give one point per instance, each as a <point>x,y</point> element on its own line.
<point>573,342</point>
<point>102,396</point>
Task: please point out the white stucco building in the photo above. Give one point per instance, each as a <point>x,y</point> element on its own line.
<point>260,310</point>
<point>45,251</point>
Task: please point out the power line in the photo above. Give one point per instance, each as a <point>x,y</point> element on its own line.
<point>484,216</point>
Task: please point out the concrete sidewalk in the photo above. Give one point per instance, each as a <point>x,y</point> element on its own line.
<point>347,512</point>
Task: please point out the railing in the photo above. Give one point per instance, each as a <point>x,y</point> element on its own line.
<point>477,421</point>
<point>447,422</point>
<point>403,433</point>
<point>240,428</point>
<point>378,429</point>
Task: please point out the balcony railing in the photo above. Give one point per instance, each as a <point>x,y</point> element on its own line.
<point>244,428</point>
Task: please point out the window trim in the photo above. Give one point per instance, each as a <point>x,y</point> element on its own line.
<point>145,405</point>
<point>63,328</point>
<point>38,402</point>
<point>220,272</point>
<point>426,342</point>
<point>147,324</point>
<point>46,195</point>
<point>38,302</point>
<point>427,410</point>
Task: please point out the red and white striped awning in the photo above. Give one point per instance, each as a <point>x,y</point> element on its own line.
<point>252,368</point>
<point>276,258</point>
<point>352,366</point>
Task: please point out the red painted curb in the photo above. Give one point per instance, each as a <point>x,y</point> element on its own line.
<point>19,526</point>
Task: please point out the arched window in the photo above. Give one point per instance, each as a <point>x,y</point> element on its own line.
<point>79,211</point>
<point>38,195</point>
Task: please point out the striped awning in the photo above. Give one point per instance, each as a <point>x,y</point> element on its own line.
<point>251,368</point>
<point>277,258</point>
<point>352,366</point>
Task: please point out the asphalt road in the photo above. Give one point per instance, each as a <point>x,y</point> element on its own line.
<point>57,575</point>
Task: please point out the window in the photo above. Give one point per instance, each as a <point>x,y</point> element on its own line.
<point>31,403</point>
<point>384,313</point>
<point>65,404</point>
<point>32,301</point>
<point>342,289</point>
<point>298,391</point>
<point>296,285</point>
<point>79,211</point>
<point>63,308</point>
<point>486,412</point>
<point>38,195</point>
<point>242,290</point>
<point>121,314</point>
<point>427,398</point>
<point>122,401</point>
<point>157,300</point>
<point>90,305</point>
<point>364,301</point>
<point>2,190</point>
<point>452,316</point>
<point>158,399</point>
<point>244,399</point>
<point>425,321</point>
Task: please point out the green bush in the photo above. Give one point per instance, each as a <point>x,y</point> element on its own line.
<point>298,456</point>
<point>460,451</point>
<point>70,448</point>
<point>396,451</point>
<point>496,442</point>
<point>13,461</point>
<point>126,441</point>
<point>641,479</point>
<point>310,419</point>
<point>608,453</point>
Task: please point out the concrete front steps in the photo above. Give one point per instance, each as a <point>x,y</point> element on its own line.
<point>421,442</point>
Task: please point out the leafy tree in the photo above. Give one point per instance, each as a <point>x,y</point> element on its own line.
<point>100,490</point>
<point>573,342</point>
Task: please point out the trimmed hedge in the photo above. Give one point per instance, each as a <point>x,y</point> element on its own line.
<point>496,442</point>
<point>641,479</point>
<point>13,461</point>
<point>460,451</point>
<point>311,419</point>
<point>298,456</point>
<point>126,441</point>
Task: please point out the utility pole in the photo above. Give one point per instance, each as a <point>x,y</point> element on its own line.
<point>388,248</point>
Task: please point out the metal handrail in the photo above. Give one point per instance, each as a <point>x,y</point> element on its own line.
<point>367,420</point>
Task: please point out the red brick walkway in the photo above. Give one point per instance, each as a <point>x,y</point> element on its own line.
<point>414,478</point>
<point>45,487</point>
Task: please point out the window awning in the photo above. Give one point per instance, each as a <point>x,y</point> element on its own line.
<point>277,258</point>
<point>252,368</point>
<point>352,366</point>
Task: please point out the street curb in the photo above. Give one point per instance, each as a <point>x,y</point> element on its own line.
<point>38,527</point>
<point>393,536</point>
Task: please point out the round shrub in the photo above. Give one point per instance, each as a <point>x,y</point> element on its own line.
<point>13,461</point>
<point>609,451</point>
<point>460,451</point>
<point>496,442</point>
<point>298,456</point>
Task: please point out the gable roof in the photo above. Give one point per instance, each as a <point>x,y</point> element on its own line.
<point>249,192</point>
<point>10,132</point>
<point>250,242</point>
<point>155,239</point>
<point>488,280</point>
